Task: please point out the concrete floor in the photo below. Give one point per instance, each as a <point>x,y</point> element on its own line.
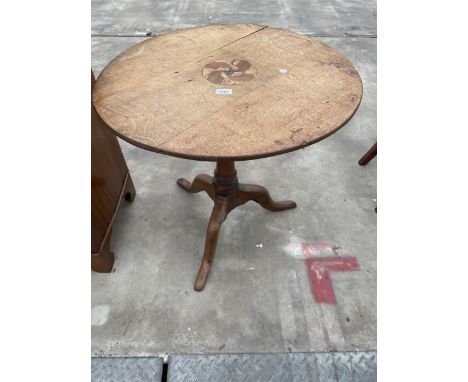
<point>258,297</point>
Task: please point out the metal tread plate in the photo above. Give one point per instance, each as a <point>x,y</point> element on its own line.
<point>274,367</point>
<point>123,369</point>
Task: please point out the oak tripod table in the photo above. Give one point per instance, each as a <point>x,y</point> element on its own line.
<point>227,93</point>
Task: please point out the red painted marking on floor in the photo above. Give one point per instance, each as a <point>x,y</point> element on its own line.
<point>319,275</point>
<point>310,249</point>
<point>307,249</point>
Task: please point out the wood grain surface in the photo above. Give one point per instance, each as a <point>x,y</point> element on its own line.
<point>110,182</point>
<point>288,91</point>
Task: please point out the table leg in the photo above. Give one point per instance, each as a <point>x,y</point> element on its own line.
<point>227,194</point>
<point>202,182</point>
<point>261,195</point>
<point>367,157</point>
<point>219,213</point>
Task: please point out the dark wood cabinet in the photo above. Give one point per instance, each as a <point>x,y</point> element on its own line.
<point>110,182</point>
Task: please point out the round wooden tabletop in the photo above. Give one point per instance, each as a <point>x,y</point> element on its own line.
<point>227,92</point>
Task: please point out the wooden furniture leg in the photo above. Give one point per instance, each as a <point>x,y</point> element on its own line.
<point>103,261</point>
<point>129,189</point>
<point>202,182</point>
<point>261,195</point>
<point>369,155</point>
<point>219,213</point>
<point>227,194</point>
